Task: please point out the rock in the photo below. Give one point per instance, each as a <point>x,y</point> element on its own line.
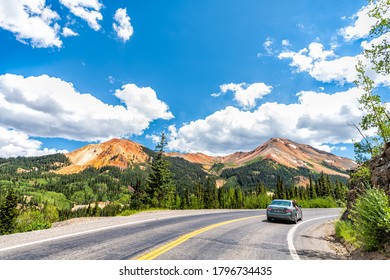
<point>380,170</point>
<point>380,178</point>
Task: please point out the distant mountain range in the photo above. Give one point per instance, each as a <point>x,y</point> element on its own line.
<point>298,160</point>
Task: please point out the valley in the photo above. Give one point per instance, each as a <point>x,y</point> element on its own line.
<point>114,178</point>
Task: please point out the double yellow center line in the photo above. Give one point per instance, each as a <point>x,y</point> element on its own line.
<point>157,252</point>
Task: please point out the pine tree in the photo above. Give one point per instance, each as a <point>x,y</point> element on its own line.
<point>260,189</point>
<point>161,190</point>
<point>280,191</point>
<point>210,194</point>
<point>9,213</point>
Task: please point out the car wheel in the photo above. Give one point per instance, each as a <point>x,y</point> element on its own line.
<point>301,217</point>
<point>269,219</point>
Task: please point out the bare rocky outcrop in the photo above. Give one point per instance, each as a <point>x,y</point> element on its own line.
<point>379,167</point>
<point>380,171</point>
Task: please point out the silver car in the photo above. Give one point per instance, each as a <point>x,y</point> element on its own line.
<point>281,209</point>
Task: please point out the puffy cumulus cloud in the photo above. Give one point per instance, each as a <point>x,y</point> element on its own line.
<point>15,143</point>
<point>245,95</point>
<point>324,66</point>
<point>305,59</point>
<point>49,107</point>
<point>317,52</point>
<point>143,101</point>
<point>122,26</point>
<point>89,10</point>
<point>316,119</point>
<point>67,32</point>
<point>362,24</point>
<point>31,21</point>
<point>341,70</point>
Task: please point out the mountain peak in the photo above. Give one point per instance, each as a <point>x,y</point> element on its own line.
<point>115,152</point>
<point>123,153</point>
<point>282,151</point>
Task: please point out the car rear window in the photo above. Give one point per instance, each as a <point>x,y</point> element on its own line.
<point>281,203</point>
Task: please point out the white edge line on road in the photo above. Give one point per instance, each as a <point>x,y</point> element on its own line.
<point>290,234</point>
<point>95,230</point>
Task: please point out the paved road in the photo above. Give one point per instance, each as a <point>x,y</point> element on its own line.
<point>225,235</point>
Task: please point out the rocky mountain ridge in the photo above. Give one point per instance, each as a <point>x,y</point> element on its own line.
<point>124,153</point>
<point>282,151</point>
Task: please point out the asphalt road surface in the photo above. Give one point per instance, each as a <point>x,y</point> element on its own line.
<point>179,235</point>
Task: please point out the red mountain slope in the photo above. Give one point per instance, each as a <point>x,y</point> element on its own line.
<point>115,152</point>
<point>123,153</point>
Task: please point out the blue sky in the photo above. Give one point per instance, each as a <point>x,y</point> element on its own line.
<point>217,76</point>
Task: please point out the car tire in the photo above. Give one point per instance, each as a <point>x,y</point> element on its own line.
<point>269,219</point>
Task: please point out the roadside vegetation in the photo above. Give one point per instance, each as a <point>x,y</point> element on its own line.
<point>367,223</point>
<point>368,226</point>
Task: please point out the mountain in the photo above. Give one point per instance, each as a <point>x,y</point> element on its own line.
<point>277,157</point>
<point>115,152</point>
<point>282,151</point>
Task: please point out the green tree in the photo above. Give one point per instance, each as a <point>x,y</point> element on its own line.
<point>376,115</point>
<point>9,212</point>
<point>280,192</point>
<point>160,189</point>
<point>210,194</point>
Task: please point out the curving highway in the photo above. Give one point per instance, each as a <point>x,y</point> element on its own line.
<point>179,235</point>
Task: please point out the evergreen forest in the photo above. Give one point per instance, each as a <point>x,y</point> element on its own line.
<point>33,195</point>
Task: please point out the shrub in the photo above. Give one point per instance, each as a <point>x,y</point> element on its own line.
<point>346,231</point>
<point>128,212</point>
<point>31,219</point>
<point>371,217</point>
<point>323,202</point>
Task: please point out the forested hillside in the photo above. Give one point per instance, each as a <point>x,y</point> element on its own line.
<point>44,196</point>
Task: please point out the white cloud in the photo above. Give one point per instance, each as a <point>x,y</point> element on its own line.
<point>285,43</point>
<point>89,10</point>
<point>317,52</point>
<point>325,66</point>
<point>67,32</point>
<point>361,26</point>
<point>143,101</point>
<point>49,107</point>
<point>268,45</point>
<point>246,95</point>
<point>316,119</point>
<point>31,21</point>
<point>122,26</point>
<point>15,143</point>
<point>305,59</point>
<point>340,69</point>
<point>300,59</point>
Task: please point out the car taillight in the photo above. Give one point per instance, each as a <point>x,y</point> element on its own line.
<point>289,211</point>
<point>269,209</point>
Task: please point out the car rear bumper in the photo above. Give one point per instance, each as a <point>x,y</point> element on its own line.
<point>280,216</point>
